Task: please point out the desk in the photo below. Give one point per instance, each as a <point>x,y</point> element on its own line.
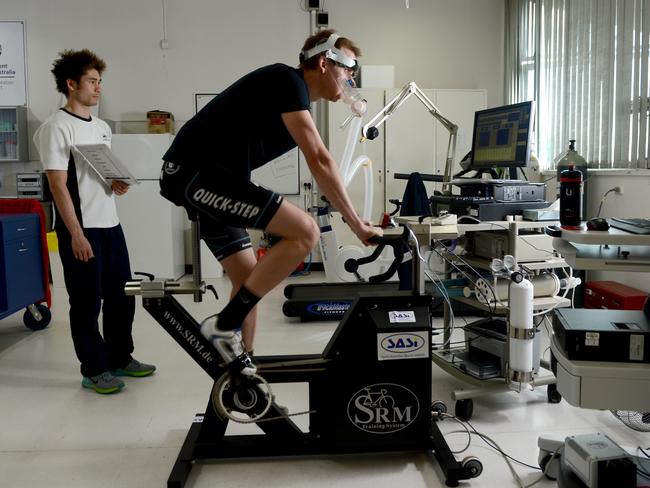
<point>602,385</point>
<point>613,249</point>
<point>596,384</point>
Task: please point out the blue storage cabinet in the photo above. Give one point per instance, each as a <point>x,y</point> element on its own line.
<point>21,268</point>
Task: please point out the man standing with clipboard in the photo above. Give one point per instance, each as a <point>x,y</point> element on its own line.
<point>91,242</point>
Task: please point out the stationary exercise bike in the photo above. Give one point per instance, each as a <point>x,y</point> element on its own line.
<point>369,391</point>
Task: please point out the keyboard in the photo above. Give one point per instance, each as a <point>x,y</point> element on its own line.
<point>635,226</point>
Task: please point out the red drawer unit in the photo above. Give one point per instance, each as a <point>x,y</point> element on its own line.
<point>613,295</point>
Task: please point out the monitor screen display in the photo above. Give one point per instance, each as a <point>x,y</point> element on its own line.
<point>502,136</point>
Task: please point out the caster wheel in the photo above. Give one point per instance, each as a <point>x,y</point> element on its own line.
<point>438,407</point>
<point>550,472</point>
<point>543,462</point>
<point>473,465</point>
<point>464,409</point>
<point>552,394</point>
<point>33,324</point>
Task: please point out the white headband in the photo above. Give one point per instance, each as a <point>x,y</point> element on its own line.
<point>331,52</point>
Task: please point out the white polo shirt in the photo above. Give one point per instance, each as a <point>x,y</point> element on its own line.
<point>53,140</point>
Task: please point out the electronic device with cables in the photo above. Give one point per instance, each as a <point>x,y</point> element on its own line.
<point>533,246</point>
<point>483,208</point>
<point>603,335</point>
<point>502,190</point>
<point>32,185</point>
<point>599,462</point>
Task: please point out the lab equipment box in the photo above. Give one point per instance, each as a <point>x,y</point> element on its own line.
<point>613,295</point>
<point>33,185</point>
<point>602,335</point>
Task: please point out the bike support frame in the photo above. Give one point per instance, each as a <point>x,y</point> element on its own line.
<point>339,423</point>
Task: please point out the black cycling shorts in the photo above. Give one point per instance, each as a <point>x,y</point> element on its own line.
<point>226,203</point>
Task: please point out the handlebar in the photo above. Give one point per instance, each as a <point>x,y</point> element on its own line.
<point>398,205</point>
<point>396,241</point>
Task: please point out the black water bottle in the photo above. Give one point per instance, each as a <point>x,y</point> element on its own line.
<point>571,198</point>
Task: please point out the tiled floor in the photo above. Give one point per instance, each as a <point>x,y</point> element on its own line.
<point>54,433</point>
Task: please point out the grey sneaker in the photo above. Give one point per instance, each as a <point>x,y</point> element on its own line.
<point>135,368</point>
<point>103,383</point>
<point>229,345</point>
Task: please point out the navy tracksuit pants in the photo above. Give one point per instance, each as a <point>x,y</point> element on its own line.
<point>94,286</point>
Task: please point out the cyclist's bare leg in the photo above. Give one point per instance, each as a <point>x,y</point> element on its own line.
<point>238,268</point>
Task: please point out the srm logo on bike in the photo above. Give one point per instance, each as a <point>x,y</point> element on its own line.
<point>383,408</point>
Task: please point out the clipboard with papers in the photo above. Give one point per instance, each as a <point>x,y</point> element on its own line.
<point>106,164</point>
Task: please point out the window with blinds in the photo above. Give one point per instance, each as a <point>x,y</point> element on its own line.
<point>586,64</point>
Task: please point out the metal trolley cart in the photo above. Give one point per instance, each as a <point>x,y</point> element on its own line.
<point>482,361</point>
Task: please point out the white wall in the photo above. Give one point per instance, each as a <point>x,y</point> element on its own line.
<point>437,43</point>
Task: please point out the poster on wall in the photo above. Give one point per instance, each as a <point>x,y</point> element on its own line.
<point>13,82</point>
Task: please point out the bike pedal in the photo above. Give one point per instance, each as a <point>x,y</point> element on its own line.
<point>241,364</point>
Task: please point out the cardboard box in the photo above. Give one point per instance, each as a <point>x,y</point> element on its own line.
<point>613,295</point>
<point>160,122</point>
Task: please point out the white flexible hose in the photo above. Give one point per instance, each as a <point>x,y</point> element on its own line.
<point>350,145</point>
<point>368,181</point>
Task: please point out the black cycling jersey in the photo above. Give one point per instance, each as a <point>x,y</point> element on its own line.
<point>241,128</point>
<point>207,168</point>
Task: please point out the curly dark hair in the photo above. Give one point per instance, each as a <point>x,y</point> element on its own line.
<point>320,38</point>
<point>72,65</point>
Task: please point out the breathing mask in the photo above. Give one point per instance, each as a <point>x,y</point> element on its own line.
<point>352,97</point>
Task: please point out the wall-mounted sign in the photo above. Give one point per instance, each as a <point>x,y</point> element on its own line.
<point>13,82</point>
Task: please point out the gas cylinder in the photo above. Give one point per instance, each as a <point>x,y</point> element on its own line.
<point>521,329</point>
<point>572,157</point>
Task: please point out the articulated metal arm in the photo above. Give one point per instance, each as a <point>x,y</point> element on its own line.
<point>370,131</point>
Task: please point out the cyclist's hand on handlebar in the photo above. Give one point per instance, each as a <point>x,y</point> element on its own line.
<point>367,231</point>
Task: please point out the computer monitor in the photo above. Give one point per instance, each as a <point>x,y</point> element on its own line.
<point>502,136</point>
